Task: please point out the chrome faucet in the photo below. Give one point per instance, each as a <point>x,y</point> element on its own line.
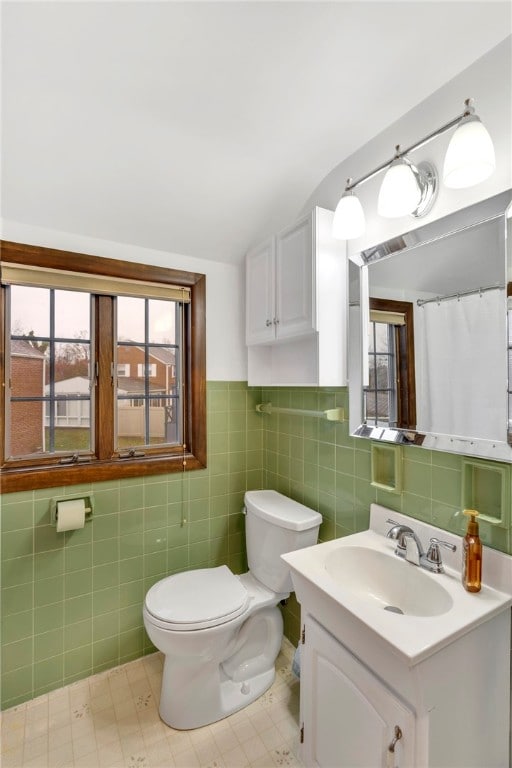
<point>409,547</point>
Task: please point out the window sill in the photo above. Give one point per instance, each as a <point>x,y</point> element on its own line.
<point>23,479</point>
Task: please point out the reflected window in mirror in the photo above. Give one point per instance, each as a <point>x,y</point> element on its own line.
<point>390,398</point>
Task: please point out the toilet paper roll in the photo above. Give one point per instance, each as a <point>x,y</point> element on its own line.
<point>70,515</point>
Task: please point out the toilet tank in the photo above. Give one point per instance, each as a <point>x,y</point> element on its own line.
<point>274,525</point>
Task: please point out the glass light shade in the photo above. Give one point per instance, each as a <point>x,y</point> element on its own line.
<point>348,222</point>
<point>470,155</point>
<point>399,193</point>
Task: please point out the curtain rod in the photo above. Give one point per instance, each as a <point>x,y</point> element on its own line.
<point>332,414</point>
<point>438,299</point>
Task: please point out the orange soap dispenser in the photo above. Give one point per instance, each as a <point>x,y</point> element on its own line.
<point>472,555</point>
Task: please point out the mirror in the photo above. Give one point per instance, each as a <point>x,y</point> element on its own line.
<point>430,335</point>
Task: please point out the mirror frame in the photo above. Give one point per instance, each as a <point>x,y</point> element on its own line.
<point>499,206</point>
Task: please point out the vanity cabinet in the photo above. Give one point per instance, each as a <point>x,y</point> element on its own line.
<point>296,286</point>
<point>350,718</point>
<point>453,708</point>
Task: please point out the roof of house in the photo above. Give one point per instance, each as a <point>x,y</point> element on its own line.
<point>22,348</point>
<point>163,354</point>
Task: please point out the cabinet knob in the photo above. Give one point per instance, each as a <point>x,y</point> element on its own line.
<point>276,321</point>
<point>269,322</point>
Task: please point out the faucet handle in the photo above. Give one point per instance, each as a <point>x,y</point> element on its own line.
<point>441,543</point>
<point>434,555</point>
<point>397,533</point>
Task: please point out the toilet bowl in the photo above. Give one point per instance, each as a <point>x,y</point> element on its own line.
<point>221,633</point>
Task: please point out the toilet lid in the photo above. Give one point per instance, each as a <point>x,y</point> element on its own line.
<point>197,599</point>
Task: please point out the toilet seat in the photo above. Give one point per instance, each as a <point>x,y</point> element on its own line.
<point>197,599</point>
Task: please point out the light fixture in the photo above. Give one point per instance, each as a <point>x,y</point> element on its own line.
<point>470,156</point>
<point>348,222</point>
<point>399,192</point>
<point>408,189</point>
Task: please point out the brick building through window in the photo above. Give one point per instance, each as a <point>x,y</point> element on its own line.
<point>27,380</point>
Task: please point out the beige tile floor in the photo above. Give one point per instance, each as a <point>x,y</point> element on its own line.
<point>111,720</point>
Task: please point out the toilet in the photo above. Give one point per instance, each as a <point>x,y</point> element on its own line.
<point>221,633</point>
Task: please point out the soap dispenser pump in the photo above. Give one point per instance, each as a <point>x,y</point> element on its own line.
<point>472,555</point>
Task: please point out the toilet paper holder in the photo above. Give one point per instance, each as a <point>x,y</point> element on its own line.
<point>88,501</point>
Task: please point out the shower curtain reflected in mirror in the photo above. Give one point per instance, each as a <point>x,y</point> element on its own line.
<point>462,341</point>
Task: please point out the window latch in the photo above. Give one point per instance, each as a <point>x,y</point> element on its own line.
<point>75,459</point>
<point>131,454</point>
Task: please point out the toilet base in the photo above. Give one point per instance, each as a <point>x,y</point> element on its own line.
<point>215,702</point>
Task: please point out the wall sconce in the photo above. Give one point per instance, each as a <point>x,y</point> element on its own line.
<point>411,190</point>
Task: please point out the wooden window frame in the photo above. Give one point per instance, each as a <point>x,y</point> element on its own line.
<point>107,464</point>
<point>405,366</point>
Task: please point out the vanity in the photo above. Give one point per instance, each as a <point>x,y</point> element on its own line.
<point>401,667</point>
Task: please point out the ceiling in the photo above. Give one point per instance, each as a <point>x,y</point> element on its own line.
<point>198,128</point>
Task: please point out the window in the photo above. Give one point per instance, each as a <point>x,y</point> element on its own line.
<point>68,418</point>
<point>147,369</point>
<point>390,398</point>
<point>381,394</point>
<point>123,369</point>
<point>48,371</point>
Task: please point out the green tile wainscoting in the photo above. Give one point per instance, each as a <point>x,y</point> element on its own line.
<point>72,602</point>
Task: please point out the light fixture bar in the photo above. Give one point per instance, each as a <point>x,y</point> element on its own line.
<point>412,147</point>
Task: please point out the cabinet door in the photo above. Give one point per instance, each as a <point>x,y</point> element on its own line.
<point>295,284</point>
<point>347,714</point>
<point>259,293</point>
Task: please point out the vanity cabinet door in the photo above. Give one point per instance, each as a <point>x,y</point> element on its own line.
<point>260,293</point>
<point>348,716</point>
<point>295,303</point>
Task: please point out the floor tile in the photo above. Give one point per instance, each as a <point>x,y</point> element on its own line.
<point>111,720</point>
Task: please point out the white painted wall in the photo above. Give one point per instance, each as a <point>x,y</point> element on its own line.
<point>226,356</point>
<point>489,82</point>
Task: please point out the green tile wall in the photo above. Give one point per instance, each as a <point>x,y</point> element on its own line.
<point>71,603</point>
<point>316,462</point>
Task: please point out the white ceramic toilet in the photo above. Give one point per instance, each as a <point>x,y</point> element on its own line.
<point>221,633</point>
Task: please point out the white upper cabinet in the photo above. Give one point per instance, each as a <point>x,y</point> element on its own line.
<point>296,303</point>
<point>279,285</point>
<point>295,278</point>
<point>260,293</point>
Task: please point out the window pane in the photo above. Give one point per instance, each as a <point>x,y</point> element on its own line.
<point>72,429</point>
<point>371,371</point>
<point>72,315</point>
<point>63,422</point>
<point>131,423</point>
<point>381,337</point>
<point>146,414</point>
<point>383,406</point>
<point>164,421</point>
<point>29,363</point>
<point>383,363</point>
<point>30,311</point>
<point>72,368</point>
<point>130,319</point>
<point>27,428</point>
<point>162,322</point>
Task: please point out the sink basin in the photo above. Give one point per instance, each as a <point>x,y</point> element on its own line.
<point>387,582</point>
<point>359,590</point>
